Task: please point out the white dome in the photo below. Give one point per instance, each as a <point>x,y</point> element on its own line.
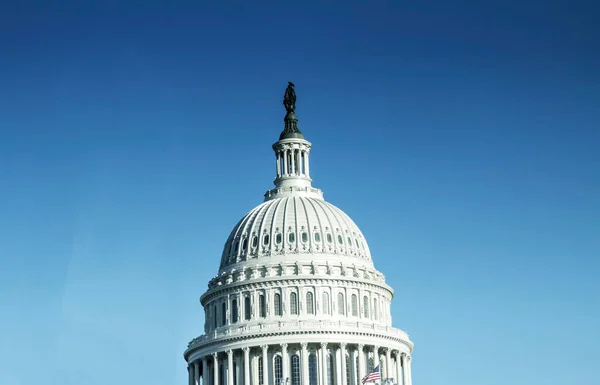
<point>298,228</point>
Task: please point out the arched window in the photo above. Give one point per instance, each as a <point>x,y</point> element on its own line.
<point>262,305</point>
<point>247,308</point>
<point>310,303</point>
<point>278,369</point>
<point>295,370</point>
<point>366,307</point>
<point>348,370</point>
<point>277,304</point>
<point>261,374</point>
<point>341,304</point>
<point>374,308</point>
<point>312,369</point>
<point>223,313</point>
<point>354,305</point>
<point>325,302</point>
<point>214,317</point>
<point>370,364</point>
<point>234,311</point>
<point>294,303</point>
<point>330,369</point>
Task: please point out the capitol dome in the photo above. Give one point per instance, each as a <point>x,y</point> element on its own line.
<point>297,299</point>
<point>298,228</point>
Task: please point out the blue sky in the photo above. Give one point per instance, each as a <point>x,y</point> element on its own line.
<point>462,138</point>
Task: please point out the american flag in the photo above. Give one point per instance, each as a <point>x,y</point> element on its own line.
<point>375,375</point>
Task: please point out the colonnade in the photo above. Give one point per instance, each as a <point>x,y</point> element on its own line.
<point>300,364</point>
<point>293,161</point>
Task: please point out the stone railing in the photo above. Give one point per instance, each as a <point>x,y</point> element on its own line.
<point>286,326</point>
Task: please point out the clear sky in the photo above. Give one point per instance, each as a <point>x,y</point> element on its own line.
<point>462,137</point>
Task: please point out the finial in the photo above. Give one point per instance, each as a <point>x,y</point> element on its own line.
<point>291,120</point>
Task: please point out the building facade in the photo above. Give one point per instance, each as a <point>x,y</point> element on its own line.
<point>297,299</point>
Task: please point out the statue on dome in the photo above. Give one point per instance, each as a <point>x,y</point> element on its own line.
<point>289,99</point>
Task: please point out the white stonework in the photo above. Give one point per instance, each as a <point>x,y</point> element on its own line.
<point>297,299</point>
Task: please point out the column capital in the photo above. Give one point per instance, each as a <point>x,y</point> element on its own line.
<point>246,349</point>
<point>304,345</point>
<point>343,345</point>
<point>215,356</point>
<point>230,352</point>
<point>264,347</point>
<point>284,346</point>
<point>323,345</point>
<point>361,347</point>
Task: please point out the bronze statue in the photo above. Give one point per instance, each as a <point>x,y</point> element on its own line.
<point>289,99</point>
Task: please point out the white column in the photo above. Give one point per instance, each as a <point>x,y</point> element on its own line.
<point>343,366</point>
<point>306,170</point>
<point>196,373</point>
<point>246,366</point>
<point>285,362</point>
<point>398,368</point>
<point>215,369</point>
<point>388,363</point>
<point>361,363</point>
<point>323,363</point>
<point>298,163</point>
<point>304,362</point>
<point>375,356</point>
<point>265,350</point>
<point>286,169</point>
<point>230,367</point>
<point>190,374</point>
<point>404,369</point>
<point>409,369</point>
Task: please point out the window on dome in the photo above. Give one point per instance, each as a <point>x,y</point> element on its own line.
<point>262,305</point>
<point>304,236</point>
<point>348,370</point>
<point>349,241</point>
<point>223,314</point>
<point>278,369</point>
<point>374,308</point>
<point>244,244</point>
<point>310,303</point>
<point>234,311</point>
<point>341,304</point>
<point>292,237</point>
<point>294,303</point>
<point>247,308</point>
<point>354,305</point>
<point>366,307</point>
<point>325,302</point>
<point>317,237</point>
<point>312,369</point>
<point>356,241</point>
<point>261,374</point>
<point>330,369</point>
<point>237,244</point>
<point>295,369</point>
<point>340,240</point>
<point>329,238</point>
<point>214,316</point>
<point>278,238</point>
<point>277,304</point>
<point>266,239</point>
<point>254,241</point>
